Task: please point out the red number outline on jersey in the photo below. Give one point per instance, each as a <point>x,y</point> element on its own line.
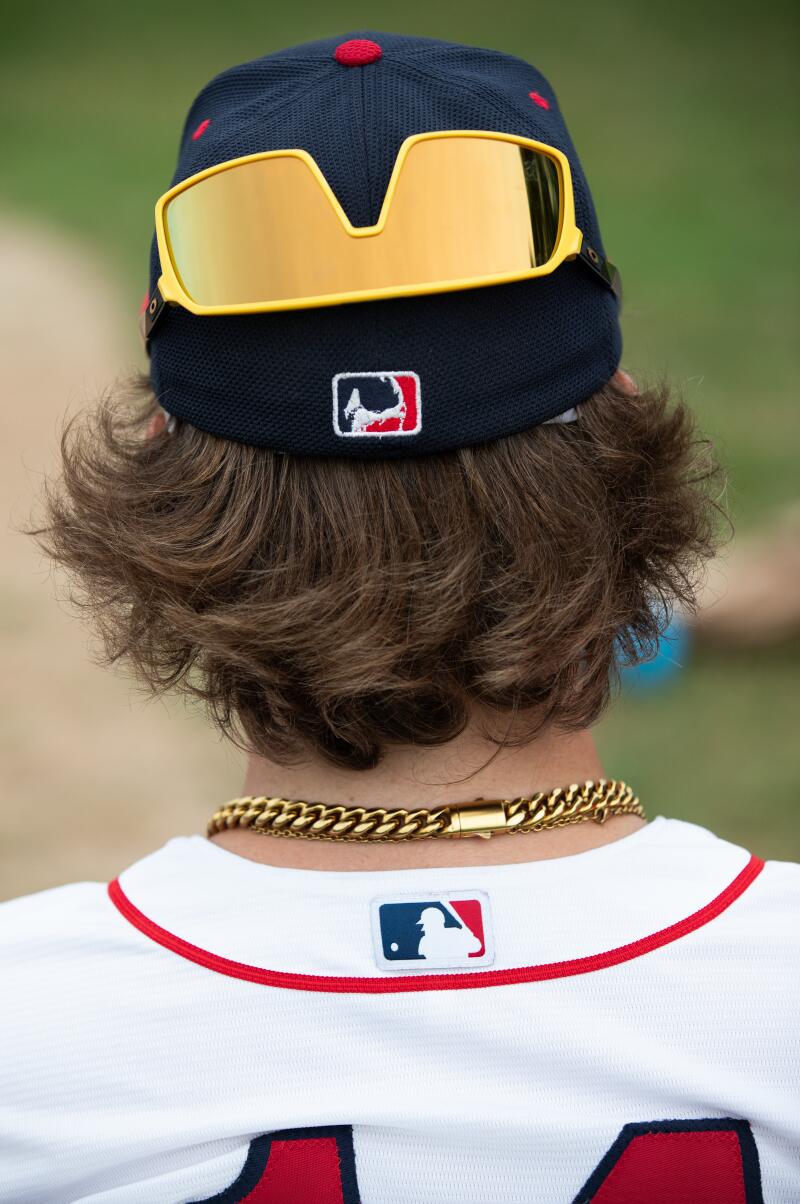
<point>295,1166</point>
<point>660,1161</point>
<point>670,1160</point>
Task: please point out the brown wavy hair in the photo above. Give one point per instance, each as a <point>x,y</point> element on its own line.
<point>336,607</point>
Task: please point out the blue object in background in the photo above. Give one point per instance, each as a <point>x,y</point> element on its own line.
<point>674,649</point>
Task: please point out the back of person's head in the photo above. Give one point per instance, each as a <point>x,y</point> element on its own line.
<point>331,594</point>
<point>338,606</point>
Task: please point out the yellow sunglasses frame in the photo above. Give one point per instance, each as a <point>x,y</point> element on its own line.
<point>569,240</point>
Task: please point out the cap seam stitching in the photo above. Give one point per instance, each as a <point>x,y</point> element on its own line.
<point>276,108</point>
<point>448,48</point>
<point>465,85</point>
<point>365,144</point>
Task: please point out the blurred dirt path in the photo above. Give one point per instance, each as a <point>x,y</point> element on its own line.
<point>92,776</point>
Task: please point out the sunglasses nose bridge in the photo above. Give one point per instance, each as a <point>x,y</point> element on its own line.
<point>362,213</point>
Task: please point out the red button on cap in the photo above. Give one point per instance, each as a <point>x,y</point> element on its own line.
<point>357,53</point>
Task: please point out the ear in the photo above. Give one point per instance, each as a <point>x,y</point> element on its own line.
<point>624,381</point>
<point>156,424</point>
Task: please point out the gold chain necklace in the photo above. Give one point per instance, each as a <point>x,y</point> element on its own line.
<point>480,817</point>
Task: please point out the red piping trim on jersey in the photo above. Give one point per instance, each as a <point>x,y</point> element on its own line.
<point>436,982</point>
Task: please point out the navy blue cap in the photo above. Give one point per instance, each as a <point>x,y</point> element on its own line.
<point>403,376</point>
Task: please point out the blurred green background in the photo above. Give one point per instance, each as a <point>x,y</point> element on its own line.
<point>685,119</point>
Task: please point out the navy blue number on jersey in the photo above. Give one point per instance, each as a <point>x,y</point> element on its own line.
<point>661,1161</point>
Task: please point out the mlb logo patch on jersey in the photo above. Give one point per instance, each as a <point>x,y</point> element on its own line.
<point>375,404</point>
<point>430,932</point>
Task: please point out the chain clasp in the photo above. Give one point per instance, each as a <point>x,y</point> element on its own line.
<point>480,817</point>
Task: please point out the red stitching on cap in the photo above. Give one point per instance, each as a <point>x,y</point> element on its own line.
<point>357,53</point>
<point>539,100</point>
<point>201,129</point>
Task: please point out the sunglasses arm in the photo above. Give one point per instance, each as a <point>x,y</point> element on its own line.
<point>602,268</point>
<point>150,316</point>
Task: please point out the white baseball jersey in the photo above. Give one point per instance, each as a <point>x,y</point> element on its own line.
<point>615,1027</point>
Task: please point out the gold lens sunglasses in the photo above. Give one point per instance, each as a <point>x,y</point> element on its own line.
<point>464,209</point>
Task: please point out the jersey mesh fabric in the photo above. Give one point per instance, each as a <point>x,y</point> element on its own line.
<point>132,1074</point>
<point>491,361</point>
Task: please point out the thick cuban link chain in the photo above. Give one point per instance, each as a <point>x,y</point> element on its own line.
<point>597,801</point>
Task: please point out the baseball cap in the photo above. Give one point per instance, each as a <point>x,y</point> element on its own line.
<point>418,374</point>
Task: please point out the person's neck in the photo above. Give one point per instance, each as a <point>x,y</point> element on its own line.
<point>416,777</point>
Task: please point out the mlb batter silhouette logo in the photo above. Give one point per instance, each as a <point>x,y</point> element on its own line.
<point>446,930</point>
<point>373,404</point>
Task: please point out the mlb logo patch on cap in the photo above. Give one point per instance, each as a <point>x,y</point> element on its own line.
<point>375,404</point>
<point>435,931</point>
